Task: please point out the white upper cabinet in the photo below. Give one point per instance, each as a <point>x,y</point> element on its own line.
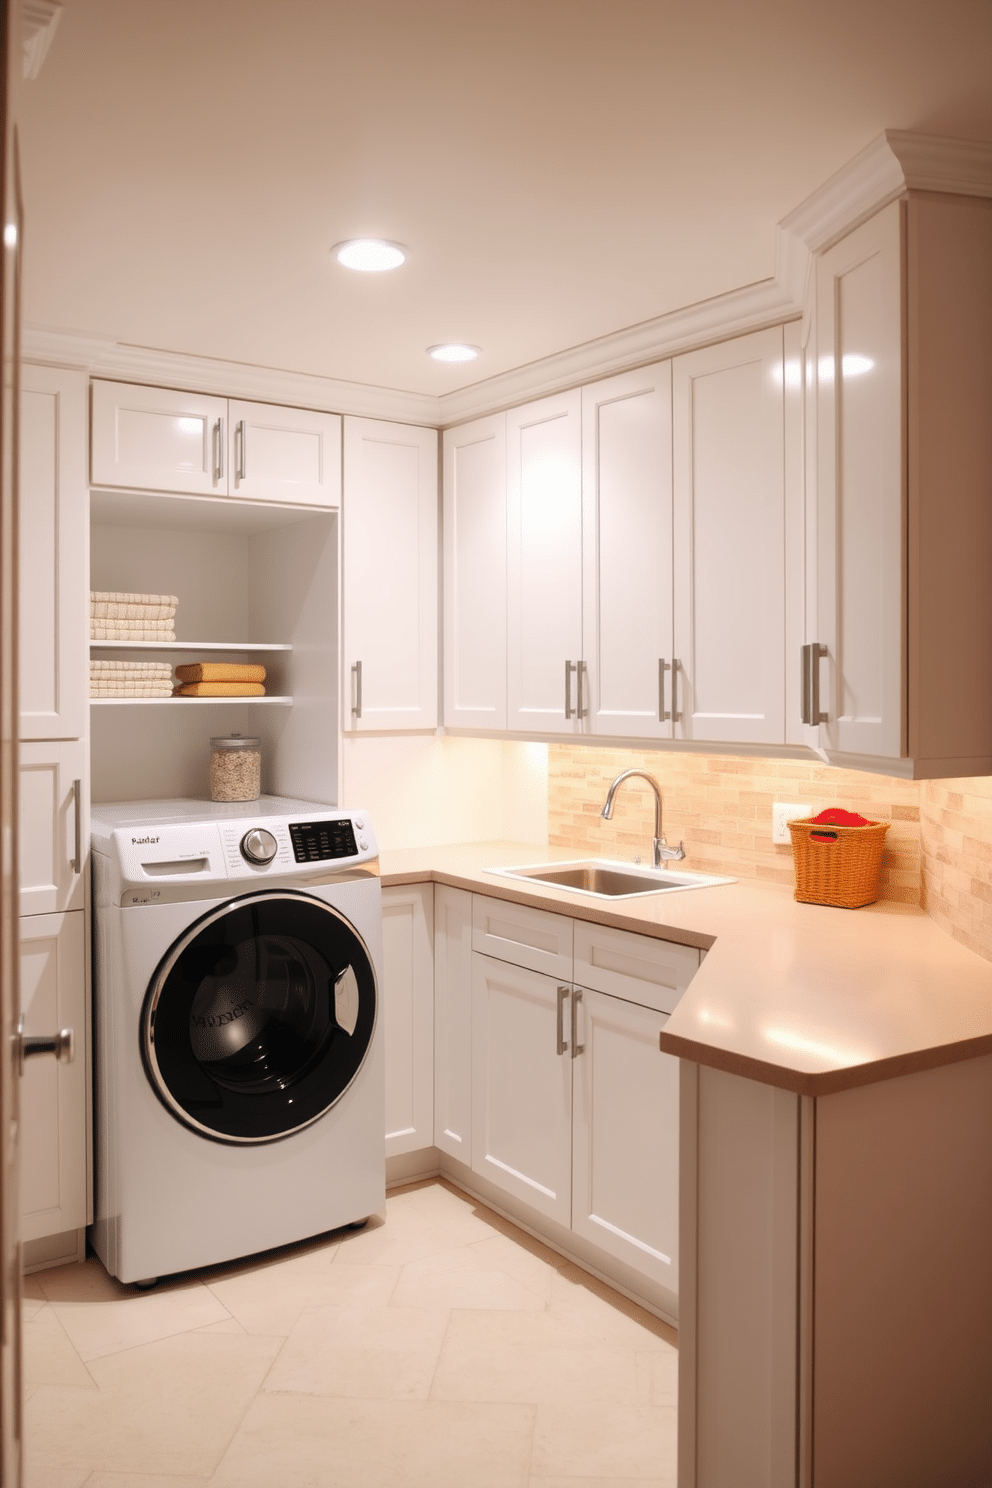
<point>903,440</point>
<point>474,524</point>
<point>547,690</point>
<point>284,454</point>
<point>163,439</point>
<point>158,439</point>
<point>390,653</point>
<point>627,552</point>
<point>729,505</point>
<point>53,539</point>
<point>860,481</point>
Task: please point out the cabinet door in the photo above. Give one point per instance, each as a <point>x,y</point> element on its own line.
<point>544,566</point>
<point>453,1022</point>
<point>729,498</point>
<point>54,826</point>
<point>522,1085</point>
<point>53,541</point>
<point>475,574</point>
<point>158,439</point>
<point>408,1006</point>
<point>284,454</point>
<point>53,1096</point>
<point>390,576</point>
<point>625,1136</point>
<point>859,440</point>
<point>627,552</point>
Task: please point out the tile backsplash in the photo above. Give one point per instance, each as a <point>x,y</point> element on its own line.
<point>956,828</point>
<point>721,806</point>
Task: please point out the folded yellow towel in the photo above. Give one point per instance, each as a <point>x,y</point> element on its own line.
<point>114,613</point>
<point>220,671</point>
<point>132,630</point>
<point>220,689</point>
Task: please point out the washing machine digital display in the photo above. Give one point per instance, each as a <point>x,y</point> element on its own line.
<point>313,842</point>
<point>259,1017</point>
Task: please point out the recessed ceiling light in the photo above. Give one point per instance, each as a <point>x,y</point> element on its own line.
<point>370,255</point>
<point>454,351</point>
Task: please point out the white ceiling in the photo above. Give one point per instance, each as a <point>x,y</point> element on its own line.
<point>558,168</point>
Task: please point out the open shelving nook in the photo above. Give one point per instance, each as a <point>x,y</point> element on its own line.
<point>255,582</point>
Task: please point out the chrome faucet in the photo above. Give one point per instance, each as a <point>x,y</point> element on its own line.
<point>663,854</point>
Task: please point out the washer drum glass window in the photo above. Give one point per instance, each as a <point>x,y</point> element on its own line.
<point>259,1017</point>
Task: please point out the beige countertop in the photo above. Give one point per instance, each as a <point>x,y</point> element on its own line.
<point>804,997</point>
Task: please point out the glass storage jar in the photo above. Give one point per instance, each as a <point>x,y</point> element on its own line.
<point>235,769</point>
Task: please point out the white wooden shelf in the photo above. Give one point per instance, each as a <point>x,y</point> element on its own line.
<point>192,645</point>
<point>187,702</point>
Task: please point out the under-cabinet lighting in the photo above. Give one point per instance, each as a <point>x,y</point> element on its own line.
<point>454,351</point>
<point>10,235</point>
<point>369,255</point>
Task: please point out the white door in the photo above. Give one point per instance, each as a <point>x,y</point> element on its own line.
<point>54,825</point>
<point>389,509</point>
<point>861,579</point>
<point>625,1136</point>
<point>284,454</point>
<point>53,544</point>
<point>54,1113</point>
<point>627,552</point>
<point>522,1084</point>
<point>729,499</point>
<point>546,691</point>
<point>453,1022</point>
<point>474,526</point>
<point>408,1010</point>
<point>158,439</point>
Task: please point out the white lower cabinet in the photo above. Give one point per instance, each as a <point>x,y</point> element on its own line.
<point>453,1022</point>
<point>53,1096</point>
<point>522,1085</point>
<point>407,1005</point>
<point>53,846</point>
<point>625,1136</point>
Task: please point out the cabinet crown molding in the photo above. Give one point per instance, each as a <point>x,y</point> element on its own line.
<point>894,162</point>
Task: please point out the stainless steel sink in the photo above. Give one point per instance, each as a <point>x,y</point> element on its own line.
<point>608,880</point>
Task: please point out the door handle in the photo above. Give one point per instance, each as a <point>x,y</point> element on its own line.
<point>562,1045</point>
<point>580,673</point>
<point>30,1045</point>
<point>577,1048</point>
<point>77,817</point>
<point>663,713</point>
<point>816,655</point>
<point>240,455</point>
<point>676,715</point>
<point>356,706</point>
<point>805,683</point>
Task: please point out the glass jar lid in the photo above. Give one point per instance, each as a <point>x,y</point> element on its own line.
<point>234,741</point>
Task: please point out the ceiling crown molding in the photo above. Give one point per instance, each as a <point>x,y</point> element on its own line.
<point>39,19</point>
<point>103,357</point>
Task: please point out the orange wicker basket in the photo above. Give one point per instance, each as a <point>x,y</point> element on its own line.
<point>837,865</point>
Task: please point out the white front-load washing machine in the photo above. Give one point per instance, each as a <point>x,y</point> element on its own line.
<point>239,1071</point>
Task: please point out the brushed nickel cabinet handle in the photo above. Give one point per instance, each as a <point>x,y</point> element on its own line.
<point>676,715</point>
<point>805,703</point>
<point>816,653</point>
<point>562,994</point>
<point>577,1048</point>
<point>240,454</point>
<point>570,667</point>
<point>30,1045</point>
<point>356,706</point>
<point>580,673</point>
<point>219,450</point>
<point>663,713</point>
<point>77,817</point>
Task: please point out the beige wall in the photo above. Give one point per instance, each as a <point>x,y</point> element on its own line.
<point>721,805</point>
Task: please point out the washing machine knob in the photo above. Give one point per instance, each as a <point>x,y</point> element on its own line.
<point>259,846</point>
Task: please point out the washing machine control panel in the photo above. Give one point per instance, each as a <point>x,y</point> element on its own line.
<point>314,842</point>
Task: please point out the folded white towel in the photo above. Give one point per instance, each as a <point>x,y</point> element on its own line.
<point>117,596</point>
<point>100,610</point>
<point>106,671</point>
<point>130,689</point>
<point>131,630</point>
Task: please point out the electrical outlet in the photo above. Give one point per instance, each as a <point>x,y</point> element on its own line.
<point>782,812</point>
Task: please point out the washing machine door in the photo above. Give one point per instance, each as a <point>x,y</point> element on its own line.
<point>259,1017</point>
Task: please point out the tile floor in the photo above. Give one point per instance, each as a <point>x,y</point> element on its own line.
<point>441,1348</point>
